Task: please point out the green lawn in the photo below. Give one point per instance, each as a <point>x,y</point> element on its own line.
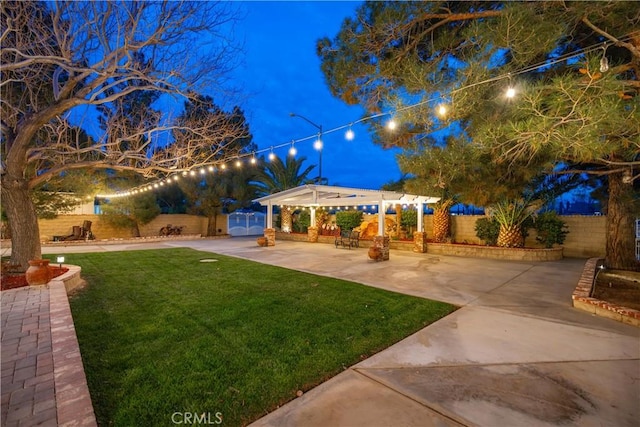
<point>161,332</point>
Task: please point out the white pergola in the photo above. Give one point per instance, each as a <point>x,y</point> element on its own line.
<point>315,196</point>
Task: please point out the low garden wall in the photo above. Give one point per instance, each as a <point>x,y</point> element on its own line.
<point>492,252</point>
<point>466,250</point>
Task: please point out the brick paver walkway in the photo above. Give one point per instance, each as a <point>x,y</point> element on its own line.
<point>43,380</point>
<point>28,387</point>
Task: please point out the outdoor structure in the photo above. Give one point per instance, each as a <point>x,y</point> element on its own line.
<point>326,196</point>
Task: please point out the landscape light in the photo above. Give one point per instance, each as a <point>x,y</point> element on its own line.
<point>60,260</point>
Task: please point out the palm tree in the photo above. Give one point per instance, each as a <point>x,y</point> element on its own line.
<point>277,176</point>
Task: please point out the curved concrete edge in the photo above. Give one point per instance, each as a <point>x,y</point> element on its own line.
<point>583,301</point>
<point>73,401</point>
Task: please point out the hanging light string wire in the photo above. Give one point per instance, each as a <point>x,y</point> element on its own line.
<point>509,75</point>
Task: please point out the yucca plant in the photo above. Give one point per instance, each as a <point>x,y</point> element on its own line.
<point>512,215</point>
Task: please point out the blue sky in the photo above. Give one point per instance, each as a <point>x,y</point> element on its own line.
<point>280,73</point>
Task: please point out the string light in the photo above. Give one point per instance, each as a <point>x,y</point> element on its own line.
<point>349,135</point>
<point>391,123</point>
<point>238,163</point>
<point>318,143</point>
<point>510,93</point>
<point>604,62</point>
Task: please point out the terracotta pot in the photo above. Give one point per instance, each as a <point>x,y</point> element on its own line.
<point>38,272</point>
<point>375,253</point>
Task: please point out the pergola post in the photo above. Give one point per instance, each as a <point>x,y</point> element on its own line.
<point>380,248</point>
<point>270,232</point>
<point>381,212</point>
<point>312,231</point>
<point>420,237</point>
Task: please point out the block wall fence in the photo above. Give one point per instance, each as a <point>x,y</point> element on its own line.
<point>63,226</point>
<point>586,238</point>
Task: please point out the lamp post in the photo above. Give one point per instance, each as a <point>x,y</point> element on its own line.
<point>317,145</point>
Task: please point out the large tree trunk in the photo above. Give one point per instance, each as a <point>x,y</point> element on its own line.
<point>621,215</point>
<point>23,222</point>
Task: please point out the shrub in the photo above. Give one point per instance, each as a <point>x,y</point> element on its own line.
<point>551,229</point>
<point>348,220</point>
<point>409,220</point>
<point>303,221</point>
<point>487,230</point>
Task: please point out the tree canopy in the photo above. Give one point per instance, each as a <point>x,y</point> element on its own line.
<point>63,61</point>
<point>573,68</point>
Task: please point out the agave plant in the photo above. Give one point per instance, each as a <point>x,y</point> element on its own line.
<point>512,215</point>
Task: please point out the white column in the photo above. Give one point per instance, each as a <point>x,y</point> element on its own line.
<point>381,210</point>
<point>313,216</point>
<point>420,216</point>
<point>269,215</point>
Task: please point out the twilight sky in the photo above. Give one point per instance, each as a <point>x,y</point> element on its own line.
<point>281,74</point>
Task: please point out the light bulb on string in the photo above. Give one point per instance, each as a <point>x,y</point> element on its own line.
<point>510,93</point>
<point>349,135</point>
<point>223,166</point>
<point>442,110</point>
<point>391,124</point>
<point>293,151</point>
<point>604,62</point>
<point>211,168</point>
<point>272,156</point>
<point>238,163</point>
<point>318,143</point>
<point>203,171</point>
<point>253,158</point>
<point>192,173</point>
